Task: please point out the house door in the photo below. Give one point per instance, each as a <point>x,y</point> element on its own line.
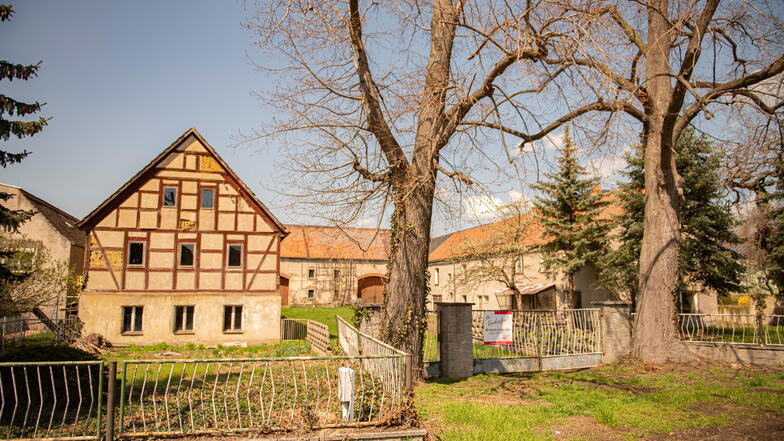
<point>370,289</point>
<point>284,290</point>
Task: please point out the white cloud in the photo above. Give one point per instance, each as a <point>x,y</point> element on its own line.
<point>607,169</point>
<point>481,207</point>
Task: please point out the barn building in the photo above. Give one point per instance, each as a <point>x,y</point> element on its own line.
<point>183,252</point>
<point>332,266</point>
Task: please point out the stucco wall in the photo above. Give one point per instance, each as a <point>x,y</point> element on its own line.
<point>161,282</point>
<point>38,228</point>
<point>327,290</point>
<point>453,287</point>
<point>102,314</point>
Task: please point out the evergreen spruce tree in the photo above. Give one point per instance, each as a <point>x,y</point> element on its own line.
<point>11,109</point>
<point>569,210</point>
<point>774,232</point>
<point>708,234</point>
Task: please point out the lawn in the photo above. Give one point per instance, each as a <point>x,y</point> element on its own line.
<point>320,314</point>
<point>616,402</point>
<point>292,348</point>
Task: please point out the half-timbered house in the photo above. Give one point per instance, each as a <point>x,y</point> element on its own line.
<point>183,252</point>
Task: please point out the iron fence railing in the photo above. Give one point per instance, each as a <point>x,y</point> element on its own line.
<point>293,329</point>
<point>33,331</point>
<point>316,333</point>
<point>542,333</point>
<point>51,400</point>
<point>732,328</point>
<point>176,397</point>
<point>430,342</point>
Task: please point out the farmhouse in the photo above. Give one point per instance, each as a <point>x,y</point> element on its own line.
<point>331,266</point>
<point>183,252</point>
<point>52,228</point>
<point>454,260</point>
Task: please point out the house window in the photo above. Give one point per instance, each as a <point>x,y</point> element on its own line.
<point>518,265</point>
<point>136,253</point>
<point>234,256</point>
<point>337,274</point>
<point>311,293</point>
<point>436,276</point>
<point>186,254</point>
<point>311,273</point>
<point>183,318</point>
<point>232,318</point>
<point>132,319</point>
<point>207,198</point>
<point>169,196</point>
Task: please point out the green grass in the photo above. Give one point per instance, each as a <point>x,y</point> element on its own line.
<point>320,314</point>
<point>626,401</point>
<point>292,348</point>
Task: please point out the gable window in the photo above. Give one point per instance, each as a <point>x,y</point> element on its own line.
<point>169,196</point>
<point>232,318</point>
<point>135,253</point>
<point>186,254</point>
<point>311,273</point>
<point>207,198</point>
<point>132,319</point>
<point>183,318</point>
<point>234,256</point>
<point>311,293</point>
<point>436,276</point>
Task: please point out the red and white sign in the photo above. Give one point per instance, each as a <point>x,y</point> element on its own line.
<point>498,326</point>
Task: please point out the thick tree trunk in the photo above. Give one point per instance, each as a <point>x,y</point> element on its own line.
<point>405,295</point>
<point>655,337</point>
<point>414,188</point>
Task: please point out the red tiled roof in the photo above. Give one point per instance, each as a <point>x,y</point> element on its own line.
<point>455,245</point>
<point>322,242</point>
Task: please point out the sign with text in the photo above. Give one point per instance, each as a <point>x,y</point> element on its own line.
<point>498,327</point>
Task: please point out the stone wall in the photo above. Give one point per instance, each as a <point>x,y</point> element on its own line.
<point>742,354</point>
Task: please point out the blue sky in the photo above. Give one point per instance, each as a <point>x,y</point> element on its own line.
<point>121,81</point>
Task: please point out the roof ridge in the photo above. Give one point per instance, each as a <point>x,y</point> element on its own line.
<point>160,157</point>
<point>41,201</point>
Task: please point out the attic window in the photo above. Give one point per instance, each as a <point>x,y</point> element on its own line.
<point>169,196</point>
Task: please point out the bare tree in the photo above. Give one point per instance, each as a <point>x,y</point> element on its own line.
<point>41,282</point>
<point>371,97</point>
<point>498,254</point>
<point>671,63</point>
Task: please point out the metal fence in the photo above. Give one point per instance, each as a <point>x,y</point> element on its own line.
<point>316,333</point>
<point>33,331</point>
<point>68,400</point>
<point>542,333</point>
<point>390,365</point>
<point>176,397</point>
<point>431,351</point>
<point>732,328</point>
<point>51,400</point>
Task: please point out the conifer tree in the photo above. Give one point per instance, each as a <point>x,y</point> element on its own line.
<point>569,210</point>
<point>774,233</point>
<point>706,255</point>
<point>11,109</point>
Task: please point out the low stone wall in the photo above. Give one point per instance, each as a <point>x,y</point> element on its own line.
<point>742,354</point>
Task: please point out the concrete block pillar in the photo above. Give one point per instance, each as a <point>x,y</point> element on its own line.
<point>455,346</point>
<point>616,329</point>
